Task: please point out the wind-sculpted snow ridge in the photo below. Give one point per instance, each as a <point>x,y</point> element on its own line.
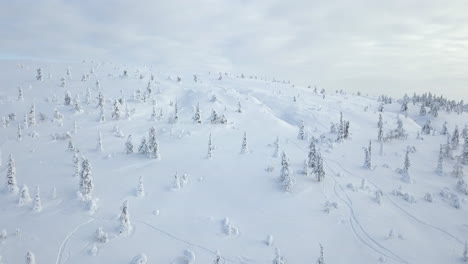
<point>109,163</point>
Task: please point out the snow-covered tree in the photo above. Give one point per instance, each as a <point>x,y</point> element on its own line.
<point>278,258</point>
<point>320,259</point>
<point>63,82</point>
<point>20,94</point>
<point>285,171</point>
<point>427,128</point>
<point>77,105</point>
<point>39,76</point>
<point>380,127</point>
<point>197,116</point>
<point>444,129</point>
<point>319,171</point>
<point>19,133</point>
<point>455,138</point>
<point>143,148</point>
<point>102,116</point>
<point>458,168</point>
<point>71,146</point>
<point>37,204</point>
<point>367,159</point>
<point>99,145</point>
<point>306,168</point>
<point>464,154</point>
<point>129,145</point>
<point>11,184</point>
<point>301,134</point>
<point>176,113</point>
<point>210,148</point>
<point>101,236</point>
<point>154,115</point>
<point>68,98</point>
<point>422,110</point>
<point>125,225</point>
<point>30,258</point>
<point>406,166</point>
<point>214,117</point>
<point>69,75</point>
<point>277,148</point>
<point>116,113</point>
<point>24,196</point>
<point>239,108</point>
<point>101,101</point>
<point>440,161</point>
<point>312,155</point>
<point>32,116</point>
<point>448,148</point>
<point>244,147</point>
<point>153,144</point>
<point>140,189</point>
<point>287,181</point>
<point>86,180</point>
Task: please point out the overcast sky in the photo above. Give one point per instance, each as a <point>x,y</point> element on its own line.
<point>376,46</point>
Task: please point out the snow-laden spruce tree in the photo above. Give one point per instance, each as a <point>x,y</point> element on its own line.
<point>77,105</point>
<point>154,114</point>
<point>99,145</point>
<point>63,82</point>
<point>278,258</point>
<point>86,181</point>
<point>197,116</point>
<point>209,155</point>
<point>37,204</point>
<point>125,225</point>
<point>30,258</point>
<point>20,94</point>
<point>101,101</point>
<point>319,171</point>
<point>406,166</point>
<point>276,144</point>
<point>448,148</point>
<point>88,96</point>
<point>444,129</point>
<point>39,76</point>
<point>464,154</point>
<point>214,117</point>
<point>102,116</point>
<point>24,196</point>
<point>68,98</point>
<point>244,147</point>
<point>455,138</point>
<point>458,168</point>
<point>367,159</point>
<point>141,189</point>
<point>19,133</point>
<point>312,155</point>
<point>239,108</point>
<point>153,144</point>
<point>32,116</point>
<point>116,113</point>
<point>129,145</point>
<point>25,122</point>
<point>101,236</point>
<point>11,184</point>
<point>284,173</point>
<point>305,169</point>
<point>177,181</point>
<point>464,133</point>
<point>440,161</point>
<point>176,113</point>
<point>301,135</point>
<point>422,110</point>
<point>321,259</point>
<point>427,128</point>
<point>143,148</point>
<point>69,75</point>
<point>380,127</point>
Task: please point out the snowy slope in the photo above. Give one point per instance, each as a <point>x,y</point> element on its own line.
<point>168,221</point>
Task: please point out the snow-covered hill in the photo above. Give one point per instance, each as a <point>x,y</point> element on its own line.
<point>232,205</point>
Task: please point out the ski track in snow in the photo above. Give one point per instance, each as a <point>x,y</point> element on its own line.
<point>182,240</point>
<point>403,210</point>
<point>67,238</point>
<point>371,243</point>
